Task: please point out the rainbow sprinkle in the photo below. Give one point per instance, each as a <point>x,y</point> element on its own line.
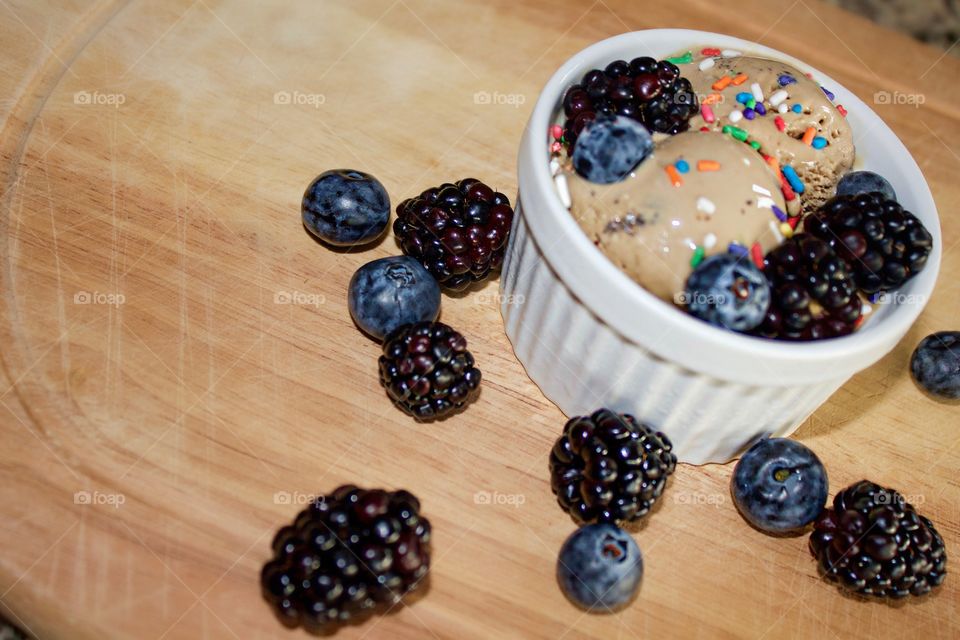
<point>674,175</point>
<point>756,252</point>
<point>793,179</point>
<point>697,257</point>
<point>737,249</point>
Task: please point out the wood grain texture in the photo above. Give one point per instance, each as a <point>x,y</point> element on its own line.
<point>195,398</point>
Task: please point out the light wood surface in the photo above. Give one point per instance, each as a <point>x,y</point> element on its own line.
<point>195,398</point>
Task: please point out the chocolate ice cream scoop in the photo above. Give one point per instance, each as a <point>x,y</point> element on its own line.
<point>694,197</point>
<point>791,116</point>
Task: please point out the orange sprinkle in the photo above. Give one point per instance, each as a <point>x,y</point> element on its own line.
<point>722,83</point>
<point>708,165</point>
<point>740,79</point>
<point>808,136</point>
<point>713,98</point>
<point>675,178</point>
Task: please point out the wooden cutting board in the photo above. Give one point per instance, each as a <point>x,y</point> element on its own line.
<point>180,370</point>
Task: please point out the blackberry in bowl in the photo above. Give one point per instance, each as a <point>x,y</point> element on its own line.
<point>649,91</point>
<point>814,293</point>
<point>883,244</point>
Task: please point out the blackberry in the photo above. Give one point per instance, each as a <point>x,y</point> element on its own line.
<point>874,543</point>
<point>345,556</point>
<point>884,244</point>
<point>427,370</point>
<point>609,467</point>
<point>813,292</point>
<point>648,91</point>
<point>459,231</point>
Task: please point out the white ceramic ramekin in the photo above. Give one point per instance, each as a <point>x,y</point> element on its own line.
<point>590,337</point>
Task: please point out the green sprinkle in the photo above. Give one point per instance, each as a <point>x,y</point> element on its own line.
<point>686,58</point>
<point>697,257</point>
<point>755,145</point>
<point>726,129</point>
<point>751,103</point>
<point>737,133</point>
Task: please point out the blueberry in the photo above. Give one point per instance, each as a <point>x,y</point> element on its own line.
<point>865,182</point>
<point>600,568</point>
<point>729,292</point>
<point>779,485</point>
<point>345,207</point>
<point>935,364</point>
<point>388,293</point>
<point>610,147</point>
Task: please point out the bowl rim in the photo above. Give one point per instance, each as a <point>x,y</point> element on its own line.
<point>637,314</point>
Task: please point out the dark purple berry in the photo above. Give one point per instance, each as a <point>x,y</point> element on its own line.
<point>873,542</point>
<point>459,232</point>
<point>427,370</point>
<point>609,467</point>
<point>347,555</point>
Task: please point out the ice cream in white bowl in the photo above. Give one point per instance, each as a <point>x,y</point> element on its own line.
<point>589,336</point>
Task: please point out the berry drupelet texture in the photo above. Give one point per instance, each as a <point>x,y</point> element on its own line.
<point>643,89</point>
<point>874,543</point>
<point>459,231</point>
<point>801,271</point>
<point>428,371</point>
<point>609,467</point>
<point>883,244</point>
<point>345,556</point>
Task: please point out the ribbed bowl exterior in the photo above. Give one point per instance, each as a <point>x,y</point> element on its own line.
<point>581,364</point>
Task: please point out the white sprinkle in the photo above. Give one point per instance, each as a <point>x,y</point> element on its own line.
<point>776,231</point>
<point>730,53</point>
<point>561,182</point>
<point>736,115</point>
<point>866,309</point>
<point>690,243</point>
<point>675,224</point>
<point>761,190</point>
<point>705,205</point>
<point>764,202</point>
<point>783,108</point>
<point>554,166</point>
<point>757,92</point>
<point>777,97</point>
<point>706,63</point>
<point>709,241</point>
<point>746,161</point>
